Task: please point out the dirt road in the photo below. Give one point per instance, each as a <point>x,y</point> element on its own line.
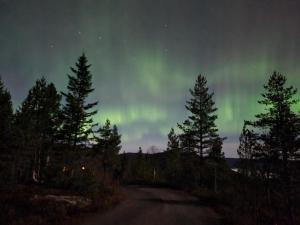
<point>156,206</point>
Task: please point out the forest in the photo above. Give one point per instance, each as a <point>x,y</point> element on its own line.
<point>51,145</point>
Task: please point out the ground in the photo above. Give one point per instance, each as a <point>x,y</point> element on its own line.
<point>155,206</point>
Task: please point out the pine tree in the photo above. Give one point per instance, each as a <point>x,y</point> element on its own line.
<point>274,142</point>
<point>77,119</point>
<point>278,125</point>
<point>37,121</point>
<point>200,129</point>
<point>41,110</point>
<point>6,121</point>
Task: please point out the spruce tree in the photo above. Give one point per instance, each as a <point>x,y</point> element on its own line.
<point>200,130</point>
<point>77,114</point>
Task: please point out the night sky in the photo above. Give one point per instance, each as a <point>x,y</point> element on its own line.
<point>145,56</point>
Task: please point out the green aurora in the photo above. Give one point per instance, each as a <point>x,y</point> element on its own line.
<point>145,56</point>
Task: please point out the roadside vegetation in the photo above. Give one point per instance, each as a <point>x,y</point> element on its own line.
<point>266,188</point>
<point>54,160</point>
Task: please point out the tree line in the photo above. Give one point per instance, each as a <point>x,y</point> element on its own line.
<point>194,157</point>
<point>52,135</point>
<point>52,139</point>
<point>267,185</point>
<point>266,188</point>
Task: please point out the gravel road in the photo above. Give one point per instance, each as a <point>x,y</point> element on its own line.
<point>155,206</point>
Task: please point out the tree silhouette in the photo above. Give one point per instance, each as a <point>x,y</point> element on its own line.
<point>278,126</point>
<point>273,141</point>
<point>77,119</point>
<point>108,144</point>
<point>38,122</point>
<point>199,130</point>
<point>246,151</point>
<point>173,141</point>
<point>116,139</point>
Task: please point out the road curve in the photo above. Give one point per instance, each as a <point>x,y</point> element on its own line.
<point>155,206</point>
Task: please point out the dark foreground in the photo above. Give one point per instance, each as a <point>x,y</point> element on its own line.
<point>155,206</point>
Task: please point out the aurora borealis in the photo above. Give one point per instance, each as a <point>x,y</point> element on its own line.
<point>145,56</point>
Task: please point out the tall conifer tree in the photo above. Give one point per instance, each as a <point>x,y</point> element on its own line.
<point>77,114</point>
<point>200,129</point>
<point>274,141</point>
<point>37,121</point>
<point>277,129</point>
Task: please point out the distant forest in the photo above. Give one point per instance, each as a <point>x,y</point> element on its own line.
<point>56,144</point>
